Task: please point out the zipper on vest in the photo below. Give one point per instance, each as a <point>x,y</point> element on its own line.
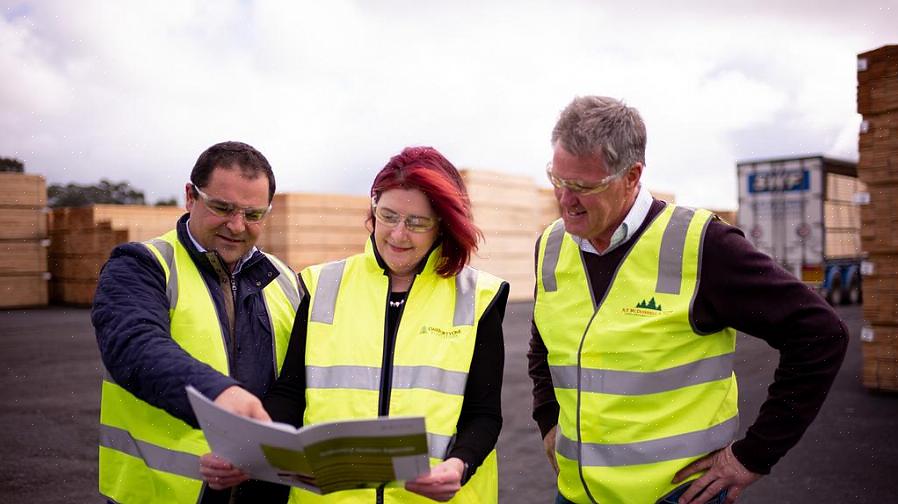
<point>579,398</point>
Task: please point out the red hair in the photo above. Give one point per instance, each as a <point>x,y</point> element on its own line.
<point>425,169</point>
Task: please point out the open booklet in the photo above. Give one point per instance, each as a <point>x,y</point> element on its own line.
<point>324,457</point>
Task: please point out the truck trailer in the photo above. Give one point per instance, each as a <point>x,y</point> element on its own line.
<point>804,213</point>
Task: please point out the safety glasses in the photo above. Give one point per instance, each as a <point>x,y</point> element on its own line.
<point>414,223</point>
<point>227,209</point>
<point>580,187</point>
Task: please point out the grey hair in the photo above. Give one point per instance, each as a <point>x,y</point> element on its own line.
<point>599,125</point>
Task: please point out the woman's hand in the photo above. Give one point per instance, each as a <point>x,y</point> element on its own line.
<point>441,483</point>
<point>220,473</point>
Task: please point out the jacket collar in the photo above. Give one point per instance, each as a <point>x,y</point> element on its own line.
<point>204,260</point>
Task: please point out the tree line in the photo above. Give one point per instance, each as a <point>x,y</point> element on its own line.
<point>76,195</point>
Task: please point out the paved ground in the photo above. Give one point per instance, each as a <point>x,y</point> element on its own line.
<point>49,395</point>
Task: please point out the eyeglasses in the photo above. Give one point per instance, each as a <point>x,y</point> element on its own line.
<point>580,187</point>
<point>226,209</point>
<point>414,223</point>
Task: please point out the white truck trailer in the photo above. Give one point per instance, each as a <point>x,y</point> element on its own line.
<point>803,212</point>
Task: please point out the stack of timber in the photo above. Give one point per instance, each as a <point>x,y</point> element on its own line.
<point>511,211</point>
<point>23,240</point>
<point>82,238</point>
<point>305,229</point>
<point>842,216</point>
<point>877,102</point>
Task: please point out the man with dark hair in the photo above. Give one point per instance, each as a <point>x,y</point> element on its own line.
<point>634,331</point>
<point>201,306</point>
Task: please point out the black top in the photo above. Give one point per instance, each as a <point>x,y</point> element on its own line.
<point>480,419</point>
<point>742,288</point>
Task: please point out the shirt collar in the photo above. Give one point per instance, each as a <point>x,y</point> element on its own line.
<point>202,249</point>
<point>637,214</point>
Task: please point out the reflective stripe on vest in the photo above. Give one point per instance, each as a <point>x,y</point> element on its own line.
<point>147,455</point>
<point>404,377</point>
<point>691,444</point>
<point>329,286</point>
<point>608,381</point>
<point>641,393</point>
<point>155,457</point>
<point>434,345</point>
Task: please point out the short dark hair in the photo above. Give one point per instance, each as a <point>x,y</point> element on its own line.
<point>425,169</point>
<point>227,155</point>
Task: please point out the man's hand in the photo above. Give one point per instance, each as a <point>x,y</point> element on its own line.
<point>441,483</point>
<point>724,471</point>
<point>241,402</point>
<point>219,473</point>
<point>549,445</point>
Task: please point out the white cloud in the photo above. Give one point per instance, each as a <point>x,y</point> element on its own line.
<point>329,91</point>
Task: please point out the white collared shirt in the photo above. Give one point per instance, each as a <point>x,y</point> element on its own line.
<point>624,232</point>
<point>203,250</point>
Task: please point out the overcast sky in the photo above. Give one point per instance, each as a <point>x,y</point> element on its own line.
<point>329,90</point>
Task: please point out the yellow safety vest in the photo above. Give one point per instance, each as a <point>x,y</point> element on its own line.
<point>642,393</point>
<point>434,347</point>
<point>147,455</point>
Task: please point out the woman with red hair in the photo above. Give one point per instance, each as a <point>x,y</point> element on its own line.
<point>406,328</point>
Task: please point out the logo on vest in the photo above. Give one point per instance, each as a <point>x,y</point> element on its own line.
<point>440,333</point>
<point>643,309</point>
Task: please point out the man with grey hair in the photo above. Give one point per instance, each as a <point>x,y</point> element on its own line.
<point>634,331</point>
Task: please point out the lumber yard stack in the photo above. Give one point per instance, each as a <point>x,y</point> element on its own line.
<point>23,240</point>
<point>305,229</point>
<point>511,211</point>
<point>877,102</point>
<point>82,238</point>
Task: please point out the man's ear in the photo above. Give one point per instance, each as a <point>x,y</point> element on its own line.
<point>189,199</point>
<point>634,175</point>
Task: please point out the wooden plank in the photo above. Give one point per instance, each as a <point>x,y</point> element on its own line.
<point>842,188</point>
<point>100,240</point>
<point>22,223</point>
<point>77,266</point>
<point>473,177</point>
<point>881,297</point>
<point>500,196</point>
<point>296,236</point>
<point>878,63</point>
<point>294,201</point>
<point>23,190</point>
<point>73,292</point>
<point>19,291</point>
<point>879,348</point>
<point>23,256</point>
<point>879,220</point>
<point>841,244</point>
<point>840,214</point>
<point>144,222</point>
<point>307,217</point>
<point>72,218</point>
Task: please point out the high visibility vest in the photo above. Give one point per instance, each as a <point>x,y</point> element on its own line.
<point>642,393</point>
<point>432,356</point>
<point>147,455</point>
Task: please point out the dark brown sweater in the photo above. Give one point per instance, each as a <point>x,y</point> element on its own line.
<point>742,288</point>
